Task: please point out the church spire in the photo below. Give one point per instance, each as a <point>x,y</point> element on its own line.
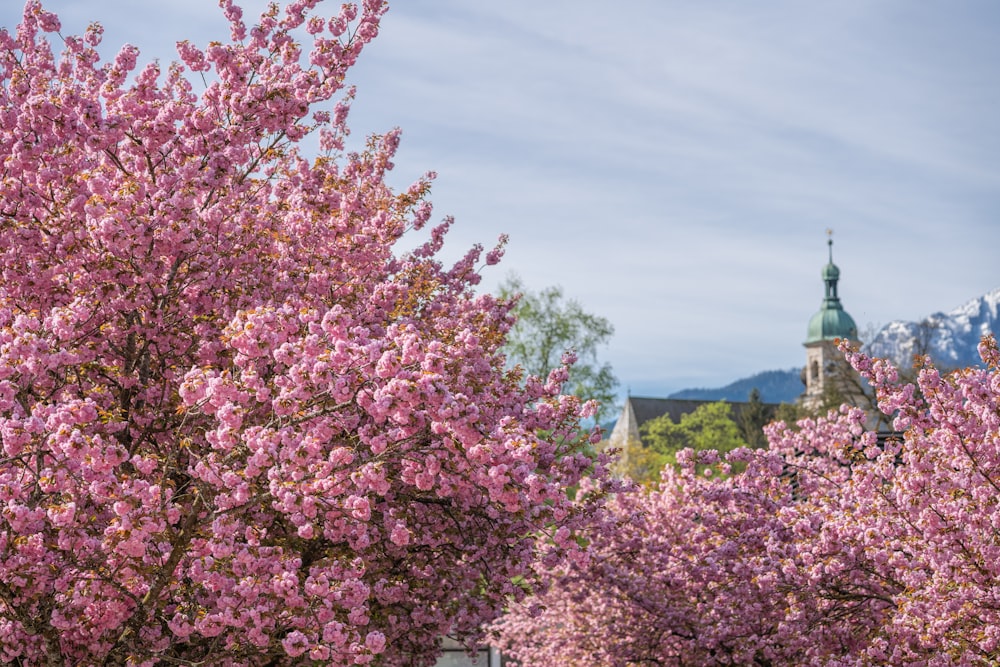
<point>831,322</point>
<point>831,275</point>
<point>826,369</point>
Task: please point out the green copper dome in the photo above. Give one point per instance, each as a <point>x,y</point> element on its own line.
<point>832,321</point>
<point>830,324</point>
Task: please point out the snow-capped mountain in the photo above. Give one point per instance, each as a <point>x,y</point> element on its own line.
<point>951,338</point>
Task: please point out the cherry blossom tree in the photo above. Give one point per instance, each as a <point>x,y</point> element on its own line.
<point>238,427</point>
<point>834,546</point>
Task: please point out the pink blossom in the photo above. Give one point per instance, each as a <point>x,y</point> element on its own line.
<point>237,419</point>
<point>833,546</point>
<point>295,644</point>
<point>375,642</point>
<point>400,534</point>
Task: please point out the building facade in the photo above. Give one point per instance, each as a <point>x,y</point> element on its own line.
<point>826,371</point>
<point>827,376</point>
<point>456,655</point>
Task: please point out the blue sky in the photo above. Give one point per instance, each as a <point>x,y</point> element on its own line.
<point>674,165</point>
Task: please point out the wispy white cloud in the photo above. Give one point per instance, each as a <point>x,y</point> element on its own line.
<point>673,165</point>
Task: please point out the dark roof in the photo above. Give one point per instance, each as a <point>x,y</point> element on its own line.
<point>645,409</point>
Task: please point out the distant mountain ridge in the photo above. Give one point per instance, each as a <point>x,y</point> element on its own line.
<point>951,339</point>
<point>774,386</point>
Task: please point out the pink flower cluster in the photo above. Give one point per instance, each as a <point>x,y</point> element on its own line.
<point>834,547</point>
<point>237,426</point>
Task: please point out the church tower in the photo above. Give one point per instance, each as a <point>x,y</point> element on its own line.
<point>826,369</point>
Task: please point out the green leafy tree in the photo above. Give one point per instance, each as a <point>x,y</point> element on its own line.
<point>641,463</point>
<point>548,325</point>
<point>753,417</point>
<point>790,413</point>
<point>710,426</point>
